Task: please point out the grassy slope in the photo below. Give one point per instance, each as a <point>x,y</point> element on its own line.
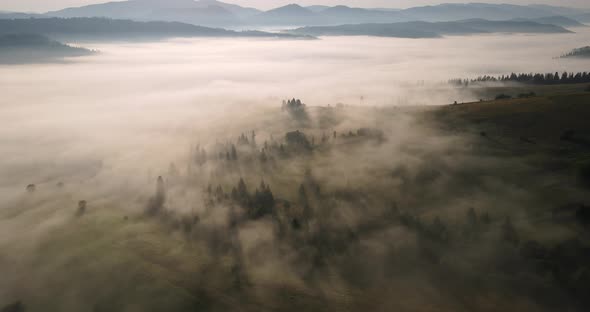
<point>543,118</point>
<point>141,265</point>
<point>530,130</point>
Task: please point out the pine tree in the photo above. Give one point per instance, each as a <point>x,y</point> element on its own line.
<point>234,152</point>
<point>242,192</point>
<point>156,203</point>
<point>509,233</point>
<point>471,218</point>
<point>219,192</point>
<point>253,141</point>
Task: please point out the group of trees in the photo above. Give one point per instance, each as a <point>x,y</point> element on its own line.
<point>156,203</point>
<point>230,154</point>
<point>228,151</point>
<point>263,202</point>
<point>295,108</point>
<point>297,139</point>
<point>474,225</point>
<point>259,203</point>
<point>579,52</point>
<point>528,78</point>
<point>200,155</point>
<point>293,105</point>
<point>293,142</point>
<point>243,139</point>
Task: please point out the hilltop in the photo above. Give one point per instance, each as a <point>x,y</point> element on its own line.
<point>34,48</point>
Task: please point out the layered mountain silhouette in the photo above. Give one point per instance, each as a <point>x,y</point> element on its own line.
<point>430,30</point>
<point>219,14</point>
<point>34,48</point>
<point>203,12</point>
<point>554,20</point>
<point>95,28</point>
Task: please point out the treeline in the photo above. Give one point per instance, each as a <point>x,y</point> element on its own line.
<point>580,52</point>
<point>530,78</point>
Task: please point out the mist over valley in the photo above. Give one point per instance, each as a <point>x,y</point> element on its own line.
<point>202,156</point>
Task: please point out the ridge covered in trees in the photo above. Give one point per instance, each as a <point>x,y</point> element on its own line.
<point>346,195</point>
<point>30,48</point>
<point>583,52</point>
<point>528,78</point>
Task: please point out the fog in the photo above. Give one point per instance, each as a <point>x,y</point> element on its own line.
<point>107,125</point>
<point>131,93</point>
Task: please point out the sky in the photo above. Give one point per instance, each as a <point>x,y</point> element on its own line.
<point>45,5</point>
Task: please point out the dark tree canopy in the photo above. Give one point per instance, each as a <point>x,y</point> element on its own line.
<point>528,78</point>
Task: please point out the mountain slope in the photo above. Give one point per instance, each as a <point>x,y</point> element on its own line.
<point>344,14</point>
<point>556,10</point>
<point>204,12</point>
<point>430,30</point>
<point>292,14</point>
<point>206,16</point>
<point>559,21</point>
<point>32,48</point>
<point>101,28</point>
<point>454,12</point>
<point>215,13</point>
<point>14,15</point>
<point>317,8</point>
<point>126,9</point>
<point>239,11</point>
<point>584,17</point>
<point>554,20</point>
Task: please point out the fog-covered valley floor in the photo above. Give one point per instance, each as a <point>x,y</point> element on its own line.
<point>367,198</point>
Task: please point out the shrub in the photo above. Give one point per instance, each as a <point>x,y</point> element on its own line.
<point>503,97</point>
<point>526,95</point>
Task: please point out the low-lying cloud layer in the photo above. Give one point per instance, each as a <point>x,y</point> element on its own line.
<point>106,126</point>
<point>133,96</point>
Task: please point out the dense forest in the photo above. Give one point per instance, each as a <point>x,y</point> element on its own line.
<point>579,52</point>
<point>528,78</point>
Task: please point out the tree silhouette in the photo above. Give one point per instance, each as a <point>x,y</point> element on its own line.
<point>509,233</point>
<point>156,203</point>
<point>234,152</point>
<point>529,78</point>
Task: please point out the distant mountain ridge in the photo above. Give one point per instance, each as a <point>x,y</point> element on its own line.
<point>18,15</point>
<point>430,30</point>
<point>102,28</point>
<point>554,20</point>
<point>213,13</point>
<point>203,12</point>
